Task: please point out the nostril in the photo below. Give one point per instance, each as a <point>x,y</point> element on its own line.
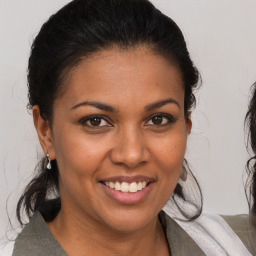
<point>129,159</point>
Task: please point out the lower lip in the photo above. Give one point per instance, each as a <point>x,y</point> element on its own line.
<point>126,197</point>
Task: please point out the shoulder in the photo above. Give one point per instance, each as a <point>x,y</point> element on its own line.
<point>241,225</point>
<point>227,235</point>
<point>180,243</point>
<point>36,239</point>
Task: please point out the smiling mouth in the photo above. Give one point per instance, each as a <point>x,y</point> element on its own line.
<point>126,187</point>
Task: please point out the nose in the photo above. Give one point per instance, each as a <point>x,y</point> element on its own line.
<point>130,149</point>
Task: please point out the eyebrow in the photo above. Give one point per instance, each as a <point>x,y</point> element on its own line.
<point>98,105</point>
<point>161,103</point>
<point>109,108</point>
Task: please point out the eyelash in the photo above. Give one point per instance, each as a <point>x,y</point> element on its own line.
<point>83,121</point>
<point>170,119</point>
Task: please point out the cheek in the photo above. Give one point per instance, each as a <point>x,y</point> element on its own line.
<point>171,150</point>
<point>169,155</point>
<point>76,154</point>
<point>79,159</point>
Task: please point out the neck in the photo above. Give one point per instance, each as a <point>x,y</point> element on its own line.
<point>86,236</point>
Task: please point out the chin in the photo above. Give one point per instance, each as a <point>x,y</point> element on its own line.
<point>129,219</point>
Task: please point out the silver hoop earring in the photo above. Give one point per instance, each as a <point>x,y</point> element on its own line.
<point>48,166</point>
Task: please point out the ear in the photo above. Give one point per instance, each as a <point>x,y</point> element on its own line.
<point>189,124</point>
<point>44,133</point>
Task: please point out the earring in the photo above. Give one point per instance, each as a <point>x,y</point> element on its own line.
<point>183,175</point>
<point>48,166</point>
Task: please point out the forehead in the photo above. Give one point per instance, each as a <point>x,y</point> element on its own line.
<point>123,75</point>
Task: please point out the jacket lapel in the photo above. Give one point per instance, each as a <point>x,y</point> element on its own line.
<point>180,243</point>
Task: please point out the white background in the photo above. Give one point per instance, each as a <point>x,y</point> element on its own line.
<point>221,39</point>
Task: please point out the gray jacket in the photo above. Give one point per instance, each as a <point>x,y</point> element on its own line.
<point>37,240</point>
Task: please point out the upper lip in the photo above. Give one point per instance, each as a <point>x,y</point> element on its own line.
<point>129,179</point>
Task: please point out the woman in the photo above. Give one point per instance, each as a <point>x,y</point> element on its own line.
<point>111,89</point>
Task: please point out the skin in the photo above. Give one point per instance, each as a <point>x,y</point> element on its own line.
<point>128,142</point>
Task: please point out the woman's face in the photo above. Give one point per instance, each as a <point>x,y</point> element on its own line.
<point>119,137</point>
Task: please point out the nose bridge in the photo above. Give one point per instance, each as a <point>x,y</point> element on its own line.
<point>130,147</point>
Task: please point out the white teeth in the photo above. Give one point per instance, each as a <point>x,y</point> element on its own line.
<point>126,187</point>
<point>133,187</point>
<point>117,186</point>
<point>111,184</point>
<point>139,187</point>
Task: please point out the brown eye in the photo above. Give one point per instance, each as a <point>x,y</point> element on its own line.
<point>160,119</point>
<point>95,121</point>
<point>157,120</point>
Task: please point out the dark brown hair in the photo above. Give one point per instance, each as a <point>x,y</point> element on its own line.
<point>251,163</point>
